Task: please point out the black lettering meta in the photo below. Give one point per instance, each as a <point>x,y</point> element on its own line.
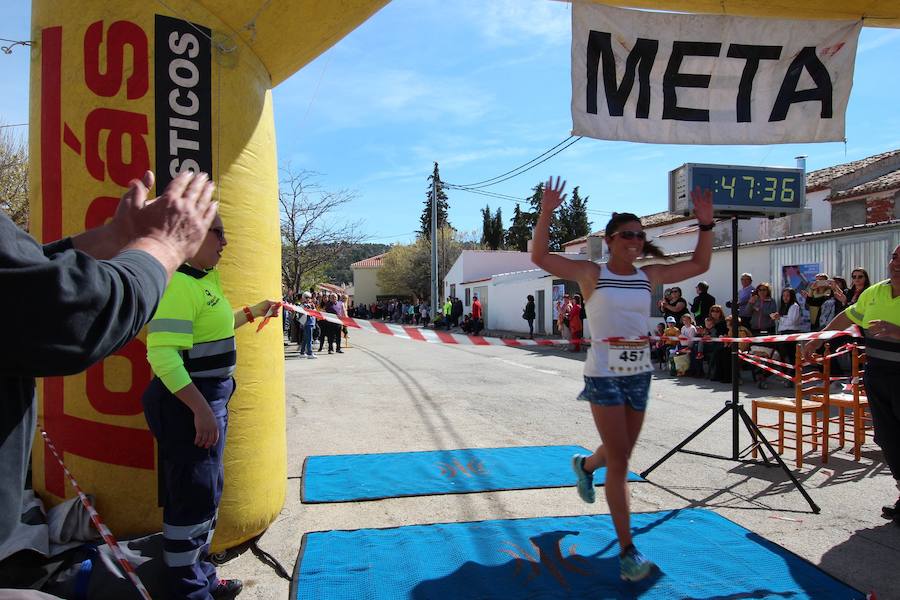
<point>789,94</point>
<point>640,57</point>
<point>752,54</point>
<point>672,79</point>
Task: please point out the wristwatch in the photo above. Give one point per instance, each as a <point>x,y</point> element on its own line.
<point>706,227</point>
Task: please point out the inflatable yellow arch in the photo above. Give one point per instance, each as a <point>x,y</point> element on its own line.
<point>120,87</point>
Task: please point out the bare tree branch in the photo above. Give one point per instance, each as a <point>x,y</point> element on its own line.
<point>14,177</point>
<point>311,234</point>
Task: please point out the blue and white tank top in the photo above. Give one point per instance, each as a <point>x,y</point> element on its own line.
<point>618,307</point>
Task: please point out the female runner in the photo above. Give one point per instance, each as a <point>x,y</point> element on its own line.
<point>617,375</point>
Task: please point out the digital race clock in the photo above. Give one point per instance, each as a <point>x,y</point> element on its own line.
<point>769,191</point>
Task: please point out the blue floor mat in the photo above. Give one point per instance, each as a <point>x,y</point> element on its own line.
<point>350,477</point>
<point>699,554</point>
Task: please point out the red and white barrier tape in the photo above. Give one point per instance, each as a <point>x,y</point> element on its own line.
<point>440,337</point>
<point>105,533</point>
<point>818,359</point>
<point>423,335</point>
<point>747,358</point>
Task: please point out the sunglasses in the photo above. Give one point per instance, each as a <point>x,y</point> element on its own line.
<point>630,235</point>
<point>857,277</point>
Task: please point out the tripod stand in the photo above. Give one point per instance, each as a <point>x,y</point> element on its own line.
<point>734,406</point>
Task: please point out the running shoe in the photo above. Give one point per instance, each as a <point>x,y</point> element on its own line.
<point>585,484</point>
<point>311,356</point>
<point>634,566</point>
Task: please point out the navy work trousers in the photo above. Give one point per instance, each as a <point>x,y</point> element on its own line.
<point>190,483</point>
<point>882,381</point>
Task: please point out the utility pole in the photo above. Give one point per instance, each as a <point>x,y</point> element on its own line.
<point>434,261</point>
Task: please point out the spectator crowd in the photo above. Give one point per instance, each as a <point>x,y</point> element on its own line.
<point>304,330</point>
<point>796,311</point>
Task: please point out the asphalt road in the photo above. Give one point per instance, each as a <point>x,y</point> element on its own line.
<point>390,395</point>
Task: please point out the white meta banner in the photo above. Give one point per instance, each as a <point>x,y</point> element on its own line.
<point>709,79</point>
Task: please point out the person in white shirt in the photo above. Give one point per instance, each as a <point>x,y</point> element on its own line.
<point>789,320</point>
<point>687,328</point>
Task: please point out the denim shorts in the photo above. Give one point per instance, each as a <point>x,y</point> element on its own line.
<point>632,390</point>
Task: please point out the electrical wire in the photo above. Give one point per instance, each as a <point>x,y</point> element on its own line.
<point>570,140</point>
<point>479,183</point>
<point>513,198</point>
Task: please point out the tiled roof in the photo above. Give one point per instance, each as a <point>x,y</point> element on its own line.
<point>890,181</point>
<point>372,262</point>
<point>655,220</point>
<point>688,228</point>
<point>803,236</point>
<point>662,218</point>
<point>822,178</point>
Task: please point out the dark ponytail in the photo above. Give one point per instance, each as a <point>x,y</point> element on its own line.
<point>650,249</point>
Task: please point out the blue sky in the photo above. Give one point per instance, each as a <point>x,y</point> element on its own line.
<point>482,87</point>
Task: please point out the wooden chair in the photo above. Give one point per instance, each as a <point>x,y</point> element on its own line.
<point>852,409</point>
<point>811,392</point>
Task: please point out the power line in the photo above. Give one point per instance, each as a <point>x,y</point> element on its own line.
<point>478,183</point>
<point>13,125</point>
<point>511,198</point>
<point>569,142</point>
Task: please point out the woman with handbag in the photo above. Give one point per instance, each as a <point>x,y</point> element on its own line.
<point>528,313</point>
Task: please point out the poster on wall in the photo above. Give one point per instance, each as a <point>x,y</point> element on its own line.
<point>559,291</point>
<point>799,277</point>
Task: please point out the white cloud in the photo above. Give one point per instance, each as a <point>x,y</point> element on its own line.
<point>882,40</point>
<point>521,22</point>
<point>390,95</point>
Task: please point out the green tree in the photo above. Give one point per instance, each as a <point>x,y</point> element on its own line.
<point>339,271</point>
<point>519,231</point>
<point>406,269</point>
<point>498,234</point>
<point>492,233</point>
<point>486,223</point>
<point>442,205</point>
<point>572,219</point>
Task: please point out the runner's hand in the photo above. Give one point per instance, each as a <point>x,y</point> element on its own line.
<point>553,195</point>
<point>703,205</point>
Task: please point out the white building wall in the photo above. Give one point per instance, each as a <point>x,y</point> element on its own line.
<point>509,295</point>
<point>480,264</point>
